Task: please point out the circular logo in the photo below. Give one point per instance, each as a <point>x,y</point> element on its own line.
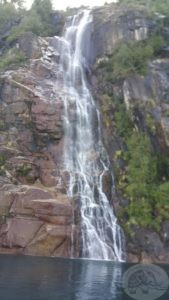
<point>145,282</point>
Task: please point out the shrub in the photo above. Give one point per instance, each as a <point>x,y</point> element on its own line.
<point>24,170</point>
<point>37,19</point>
<point>2,163</point>
<point>8,12</point>
<point>133,57</point>
<point>123,121</point>
<point>145,180</point>
<point>151,6</point>
<point>11,57</point>
<point>2,125</point>
<point>2,160</point>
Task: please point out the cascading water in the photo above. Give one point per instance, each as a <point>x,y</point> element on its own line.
<point>85,158</point>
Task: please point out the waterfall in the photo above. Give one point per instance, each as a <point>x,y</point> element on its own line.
<point>84,157</point>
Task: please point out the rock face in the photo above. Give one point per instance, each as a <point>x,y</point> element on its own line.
<point>147,96</point>
<point>36,215</point>
<point>153,91</point>
<point>34,221</point>
<point>115,23</point>
<point>150,94</point>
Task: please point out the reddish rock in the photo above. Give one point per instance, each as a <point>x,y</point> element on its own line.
<point>57,220</point>
<point>46,116</point>
<point>47,168</point>
<point>34,220</point>
<point>48,239</point>
<point>64,250</point>
<point>20,231</point>
<point>35,213</point>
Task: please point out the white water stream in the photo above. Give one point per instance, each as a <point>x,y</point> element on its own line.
<point>85,158</point>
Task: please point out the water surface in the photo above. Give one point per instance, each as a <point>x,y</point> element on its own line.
<point>36,278</point>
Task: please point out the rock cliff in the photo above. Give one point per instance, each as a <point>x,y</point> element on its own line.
<point>145,98</point>
<point>36,215</point>
<point>115,23</point>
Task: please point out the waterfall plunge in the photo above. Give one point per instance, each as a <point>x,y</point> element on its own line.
<point>85,158</point>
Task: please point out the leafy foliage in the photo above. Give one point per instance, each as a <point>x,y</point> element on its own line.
<point>129,58</point>
<point>152,6</point>
<point>8,12</point>
<point>2,163</point>
<point>133,57</point>
<point>11,57</point>
<point>37,20</point>
<point>145,179</point>
<point>123,121</point>
<point>24,170</point>
<point>141,172</point>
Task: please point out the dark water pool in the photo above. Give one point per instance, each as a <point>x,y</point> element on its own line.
<point>30,278</point>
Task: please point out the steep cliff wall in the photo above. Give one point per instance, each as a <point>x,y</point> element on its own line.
<point>36,215</point>
<point>115,23</point>
<point>134,106</point>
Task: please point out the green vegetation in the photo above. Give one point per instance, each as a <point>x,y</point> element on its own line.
<point>140,179</point>
<point>122,117</point>
<point>15,20</point>
<point>145,179</point>
<point>141,172</point>
<point>2,125</point>
<point>9,11</point>
<point>151,6</point>
<point>132,57</point>
<point>4,216</point>
<point>150,123</point>
<point>11,57</point>
<point>24,170</point>
<point>2,163</point>
<point>37,20</point>
<point>2,160</point>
